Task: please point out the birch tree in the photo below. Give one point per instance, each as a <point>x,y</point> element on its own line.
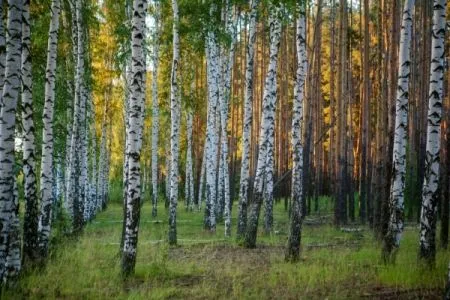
<point>267,129</point>
<point>248,120</point>
<point>30,223</point>
<point>293,246</point>
<point>133,147</point>
<point>155,107</point>
<point>103,156</point>
<point>201,180</point>
<point>2,52</point>
<point>393,236</point>
<point>175,110</point>
<point>430,192</point>
<point>13,261</point>
<point>212,139</point>
<point>73,193</point>
<point>189,182</point>
<point>227,57</point>
<point>10,94</point>
<point>46,178</point>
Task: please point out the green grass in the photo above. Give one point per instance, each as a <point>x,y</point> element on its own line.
<point>334,264</point>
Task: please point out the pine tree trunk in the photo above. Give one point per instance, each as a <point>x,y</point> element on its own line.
<point>10,95</point>
<point>133,143</point>
<point>30,223</point>
<point>430,193</point>
<point>248,120</point>
<point>395,229</point>
<point>264,169</point>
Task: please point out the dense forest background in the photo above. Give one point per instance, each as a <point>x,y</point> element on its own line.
<point>333,109</point>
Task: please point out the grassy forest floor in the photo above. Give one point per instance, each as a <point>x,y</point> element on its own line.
<point>334,264</point>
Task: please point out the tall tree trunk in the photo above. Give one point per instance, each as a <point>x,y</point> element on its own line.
<point>395,229</point>
<point>10,95</point>
<point>30,223</point>
<point>293,246</point>
<point>248,120</point>
<point>227,62</point>
<point>175,104</point>
<point>13,262</point>
<point>365,151</point>
<point>189,181</point>
<point>212,140</point>
<point>133,144</point>
<point>264,169</point>
<point>155,108</point>
<point>430,193</point>
<point>445,186</point>
<point>2,52</point>
<point>73,190</point>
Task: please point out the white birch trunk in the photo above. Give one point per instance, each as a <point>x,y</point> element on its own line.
<point>2,53</point>
<point>189,182</point>
<point>293,247</point>
<point>211,144</point>
<point>101,181</point>
<point>46,178</point>
<point>227,66</point>
<point>136,110</point>
<point>248,120</point>
<point>155,108</point>
<point>395,227</point>
<point>430,192</point>
<point>10,95</point>
<point>30,232</point>
<point>167,178</point>
<point>73,191</point>
<point>72,134</point>
<point>13,262</point>
<point>267,129</point>
<point>201,183</point>
<point>175,104</point>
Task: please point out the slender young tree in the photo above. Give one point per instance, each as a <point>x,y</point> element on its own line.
<point>175,104</point>
<point>46,178</point>
<point>264,168</point>
<point>155,106</point>
<point>393,236</point>
<point>189,182</point>
<point>133,151</point>
<point>201,183</point>
<point>430,192</point>
<point>248,120</point>
<point>293,246</point>
<point>30,223</point>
